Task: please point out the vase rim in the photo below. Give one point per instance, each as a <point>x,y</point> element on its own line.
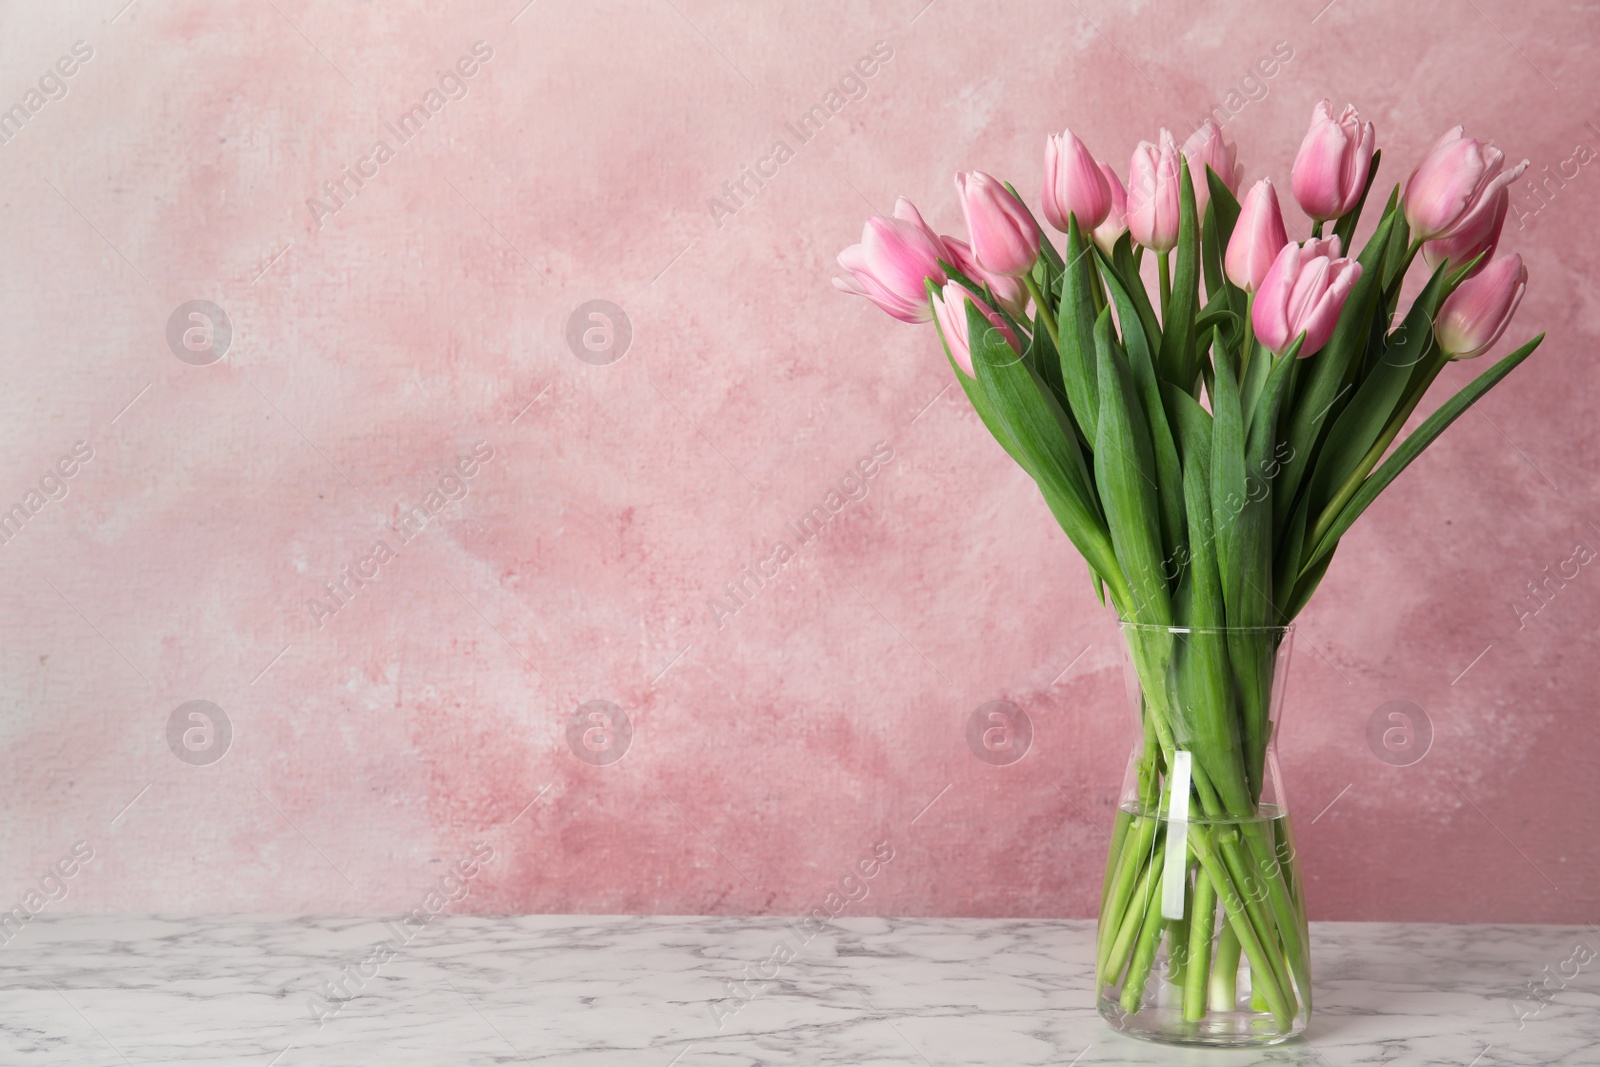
<point>1150,627</point>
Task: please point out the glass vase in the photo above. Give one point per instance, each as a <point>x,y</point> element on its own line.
<point>1202,937</point>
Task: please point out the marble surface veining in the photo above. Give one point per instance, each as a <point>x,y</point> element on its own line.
<point>710,992</point>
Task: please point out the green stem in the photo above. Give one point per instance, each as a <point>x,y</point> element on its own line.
<point>1150,666</point>
<point>1271,962</point>
<point>1134,920</point>
<point>1224,989</point>
<point>1391,294</point>
<point>1140,847</point>
<point>1244,926</point>
<point>1119,837</point>
<point>1136,850</point>
<point>1043,305</point>
<point>1144,950</point>
<point>1316,229</point>
<point>1178,940</point>
<point>1281,905</point>
<point>1249,334</point>
<point>1164,275</point>
<point>1405,264</point>
<point>1283,847</point>
<point>1202,928</point>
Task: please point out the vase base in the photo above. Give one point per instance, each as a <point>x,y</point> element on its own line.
<point>1217,1029</point>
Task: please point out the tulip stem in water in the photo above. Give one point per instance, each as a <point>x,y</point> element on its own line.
<point>1225,971</point>
<point>1202,929</point>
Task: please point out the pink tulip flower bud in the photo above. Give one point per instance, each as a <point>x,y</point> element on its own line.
<point>1153,194</point>
<point>1073,184</point>
<point>1116,224</point>
<point>1206,148</point>
<point>1257,239</point>
<point>892,263</point>
<point>1456,174</point>
<point>1303,292</point>
<point>951,310</point>
<point>1005,239</point>
<point>1010,292</point>
<point>1477,313</point>
<point>1478,231</point>
<point>1331,170</point>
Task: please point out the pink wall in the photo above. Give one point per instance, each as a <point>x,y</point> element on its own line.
<point>375,344</point>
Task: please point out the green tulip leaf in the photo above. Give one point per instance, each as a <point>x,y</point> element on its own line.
<point>1075,329</point>
<point>1176,359</point>
<point>1412,447</point>
<point>1363,420</point>
<point>1125,470</point>
<point>1141,365</point>
<point>1123,266</point>
<point>1018,408</point>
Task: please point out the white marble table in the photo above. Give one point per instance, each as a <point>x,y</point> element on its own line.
<point>651,992</point>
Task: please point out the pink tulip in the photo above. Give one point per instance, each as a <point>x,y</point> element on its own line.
<point>1478,231</point>
<point>1331,170</point>
<point>1303,292</point>
<point>892,263</point>
<point>1116,224</point>
<point>1206,148</point>
<point>1257,239</point>
<point>1005,239</point>
<point>1456,174</point>
<point>951,311</point>
<point>1073,184</point>
<point>1010,292</point>
<point>1153,194</point>
<point>1477,313</point>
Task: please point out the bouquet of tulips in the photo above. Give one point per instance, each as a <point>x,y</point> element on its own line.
<point>1206,446</point>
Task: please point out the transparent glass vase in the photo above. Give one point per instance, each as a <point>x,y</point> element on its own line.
<point>1202,937</point>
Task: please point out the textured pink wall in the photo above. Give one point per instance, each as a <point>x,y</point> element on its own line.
<point>375,344</point>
